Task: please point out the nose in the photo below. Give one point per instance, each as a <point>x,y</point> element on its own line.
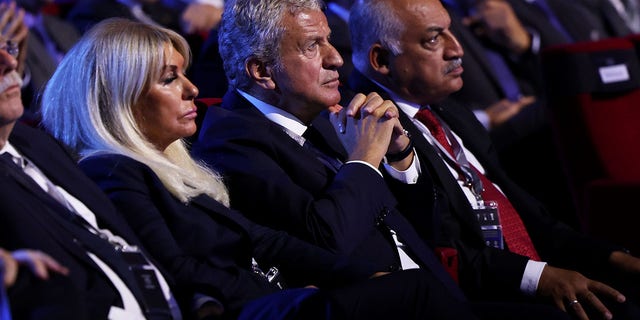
<point>8,62</point>
<point>190,91</point>
<point>332,59</point>
<point>453,48</point>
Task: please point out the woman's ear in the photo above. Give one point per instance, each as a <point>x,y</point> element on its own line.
<point>379,58</point>
<point>261,73</point>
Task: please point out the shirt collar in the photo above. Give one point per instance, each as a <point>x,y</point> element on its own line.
<point>277,115</point>
<point>8,148</point>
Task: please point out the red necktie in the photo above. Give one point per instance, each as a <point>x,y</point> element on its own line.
<point>429,119</point>
<point>514,232</point>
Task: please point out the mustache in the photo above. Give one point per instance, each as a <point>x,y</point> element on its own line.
<point>9,80</point>
<point>455,63</point>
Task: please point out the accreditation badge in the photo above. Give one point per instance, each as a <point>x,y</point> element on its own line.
<point>489,219</point>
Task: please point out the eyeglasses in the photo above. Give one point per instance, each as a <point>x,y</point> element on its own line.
<point>10,47</point>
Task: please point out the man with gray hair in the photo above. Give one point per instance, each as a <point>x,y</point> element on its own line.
<point>507,242</point>
<point>288,169</point>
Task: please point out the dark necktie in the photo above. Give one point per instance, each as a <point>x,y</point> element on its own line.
<point>514,232</point>
<point>316,144</point>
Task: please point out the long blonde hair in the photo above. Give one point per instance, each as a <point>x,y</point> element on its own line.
<point>88,103</point>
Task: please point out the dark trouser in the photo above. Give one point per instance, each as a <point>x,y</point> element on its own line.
<point>411,294</point>
<point>518,310</point>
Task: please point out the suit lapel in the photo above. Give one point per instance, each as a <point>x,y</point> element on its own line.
<point>480,148</point>
<point>279,138</point>
<point>224,218</point>
<point>75,183</point>
<point>28,184</point>
<point>54,218</point>
<point>456,198</point>
<point>332,142</point>
<point>64,173</point>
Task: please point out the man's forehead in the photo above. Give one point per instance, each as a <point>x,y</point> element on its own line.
<point>311,23</point>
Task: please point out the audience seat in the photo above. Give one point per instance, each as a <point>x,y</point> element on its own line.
<point>594,99</point>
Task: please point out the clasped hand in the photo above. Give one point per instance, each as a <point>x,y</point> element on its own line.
<point>369,128</point>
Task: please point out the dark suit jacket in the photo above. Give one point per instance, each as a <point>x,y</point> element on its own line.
<point>485,270</point>
<point>208,247</point>
<point>278,183</point>
<point>30,218</point>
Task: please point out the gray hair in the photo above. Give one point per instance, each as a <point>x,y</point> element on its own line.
<point>253,29</point>
<point>373,21</point>
<point>89,102</point>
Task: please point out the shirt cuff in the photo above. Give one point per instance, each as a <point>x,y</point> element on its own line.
<point>408,176</point>
<point>531,277</point>
<point>367,164</point>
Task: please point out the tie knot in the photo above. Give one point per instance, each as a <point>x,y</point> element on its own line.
<point>429,120</point>
<point>19,161</point>
<point>312,136</point>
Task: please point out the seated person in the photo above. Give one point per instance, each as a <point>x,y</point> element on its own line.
<point>49,205</point>
<point>329,193</point>
<point>504,237</point>
<point>129,134</point>
<point>50,37</point>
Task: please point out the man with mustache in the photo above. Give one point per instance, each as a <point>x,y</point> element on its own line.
<point>49,205</point>
<point>406,50</point>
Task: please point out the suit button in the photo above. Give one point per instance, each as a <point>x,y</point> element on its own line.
<point>393,268</point>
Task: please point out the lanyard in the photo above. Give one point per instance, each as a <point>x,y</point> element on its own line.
<point>460,163</point>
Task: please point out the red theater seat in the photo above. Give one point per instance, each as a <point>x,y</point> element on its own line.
<point>594,99</point>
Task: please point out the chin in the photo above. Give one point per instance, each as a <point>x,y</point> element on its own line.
<point>332,99</point>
